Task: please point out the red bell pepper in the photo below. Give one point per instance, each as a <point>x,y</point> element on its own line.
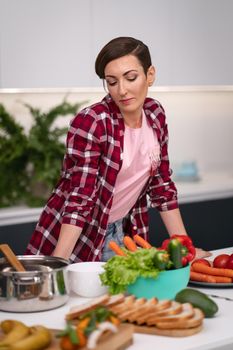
<point>188,249</point>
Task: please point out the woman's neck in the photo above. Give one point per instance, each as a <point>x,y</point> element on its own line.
<point>133,122</point>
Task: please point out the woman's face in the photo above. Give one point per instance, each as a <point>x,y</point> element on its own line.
<point>128,84</point>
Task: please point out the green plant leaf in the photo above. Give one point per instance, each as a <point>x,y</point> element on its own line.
<point>30,164</point>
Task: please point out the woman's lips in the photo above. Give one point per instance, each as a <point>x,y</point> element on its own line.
<point>126,101</point>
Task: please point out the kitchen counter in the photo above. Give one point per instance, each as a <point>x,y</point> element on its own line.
<point>216,334</point>
<point>211,186</point>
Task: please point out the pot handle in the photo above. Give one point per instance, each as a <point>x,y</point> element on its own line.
<point>19,279</point>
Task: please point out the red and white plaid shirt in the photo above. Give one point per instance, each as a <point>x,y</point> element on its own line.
<point>84,193</point>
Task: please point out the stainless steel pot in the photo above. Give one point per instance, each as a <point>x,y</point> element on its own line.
<point>43,286</point>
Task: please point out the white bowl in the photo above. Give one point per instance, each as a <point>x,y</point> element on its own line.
<point>84,278</point>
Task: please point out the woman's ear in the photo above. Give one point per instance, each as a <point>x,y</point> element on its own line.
<point>151,75</point>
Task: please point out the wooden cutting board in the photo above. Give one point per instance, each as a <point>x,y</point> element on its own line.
<point>114,341</point>
<point>167,332</point>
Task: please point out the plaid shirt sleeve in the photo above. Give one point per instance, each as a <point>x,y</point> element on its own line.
<point>81,167</point>
<point>162,190</point>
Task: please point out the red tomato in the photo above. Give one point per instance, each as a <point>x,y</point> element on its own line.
<point>202,261</point>
<point>221,260</point>
<point>229,264</point>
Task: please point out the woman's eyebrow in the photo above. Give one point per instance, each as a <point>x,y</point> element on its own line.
<point>129,71</point>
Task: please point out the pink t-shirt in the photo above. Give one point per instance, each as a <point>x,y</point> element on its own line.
<point>140,157</point>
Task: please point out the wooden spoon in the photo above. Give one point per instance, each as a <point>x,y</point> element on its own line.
<point>12,258</point>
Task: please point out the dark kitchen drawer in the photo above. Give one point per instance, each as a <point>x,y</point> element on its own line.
<point>209,223</point>
<point>17,236</point>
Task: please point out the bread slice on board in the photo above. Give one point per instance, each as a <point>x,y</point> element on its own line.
<point>186,311</point>
<point>122,306</point>
<point>161,305</point>
<point>174,309</point>
<point>131,309</point>
<point>115,300</point>
<point>142,310</point>
<point>90,305</point>
<point>194,321</point>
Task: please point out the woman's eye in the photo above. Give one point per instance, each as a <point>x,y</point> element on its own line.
<point>132,78</point>
<point>114,82</point>
<point>111,83</point>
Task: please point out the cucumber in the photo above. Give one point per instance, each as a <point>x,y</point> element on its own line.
<point>197,299</point>
<point>175,251</point>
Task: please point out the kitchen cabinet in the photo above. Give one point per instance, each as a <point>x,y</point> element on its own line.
<point>209,223</point>
<point>17,236</point>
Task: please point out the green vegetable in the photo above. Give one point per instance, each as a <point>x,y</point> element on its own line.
<point>60,282</point>
<point>121,271</point>
<point>199,300</point>
<point>98,315</point>
<point>161,260</point>
<point>175,251</point>
<point>71,332</point>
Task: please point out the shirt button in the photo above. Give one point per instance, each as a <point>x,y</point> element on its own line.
<point>134,227</point>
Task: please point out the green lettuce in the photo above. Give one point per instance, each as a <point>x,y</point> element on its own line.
<point>121,271</point>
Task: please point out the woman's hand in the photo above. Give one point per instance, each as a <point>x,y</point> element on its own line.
<point>200,253</point>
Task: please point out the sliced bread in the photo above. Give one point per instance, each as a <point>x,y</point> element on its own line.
<point>90,305</point>
<point>183,323</point>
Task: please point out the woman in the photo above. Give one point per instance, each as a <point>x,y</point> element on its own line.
<point>116,159</point>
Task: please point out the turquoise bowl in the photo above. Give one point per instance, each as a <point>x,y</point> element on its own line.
<point>165,286</point>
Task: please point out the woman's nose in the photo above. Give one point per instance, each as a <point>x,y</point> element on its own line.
<point>122,89</point>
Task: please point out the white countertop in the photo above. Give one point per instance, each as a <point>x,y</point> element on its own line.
<point>217,332</point>
<point>210,187</point>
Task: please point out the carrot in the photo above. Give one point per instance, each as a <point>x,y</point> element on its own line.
<point>65,343</point>
<point>141,242</point>
<point>116,248</point>
<point>130,244</point>
<point>116,321</point>
<point>81,337</point>
<point>201,277</point>
<point>212,270</point>
<point>83,323</point>
<point>191,268</point>
<point>222,279</point>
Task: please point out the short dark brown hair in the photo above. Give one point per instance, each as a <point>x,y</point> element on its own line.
<point>119,47</point>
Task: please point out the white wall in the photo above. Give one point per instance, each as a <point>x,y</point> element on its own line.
<point>200,120</point>
<point>53,43</point>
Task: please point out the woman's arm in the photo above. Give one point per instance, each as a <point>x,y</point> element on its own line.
<point>68,237</point>
<point>174,224</point>
<point>80,167</point>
